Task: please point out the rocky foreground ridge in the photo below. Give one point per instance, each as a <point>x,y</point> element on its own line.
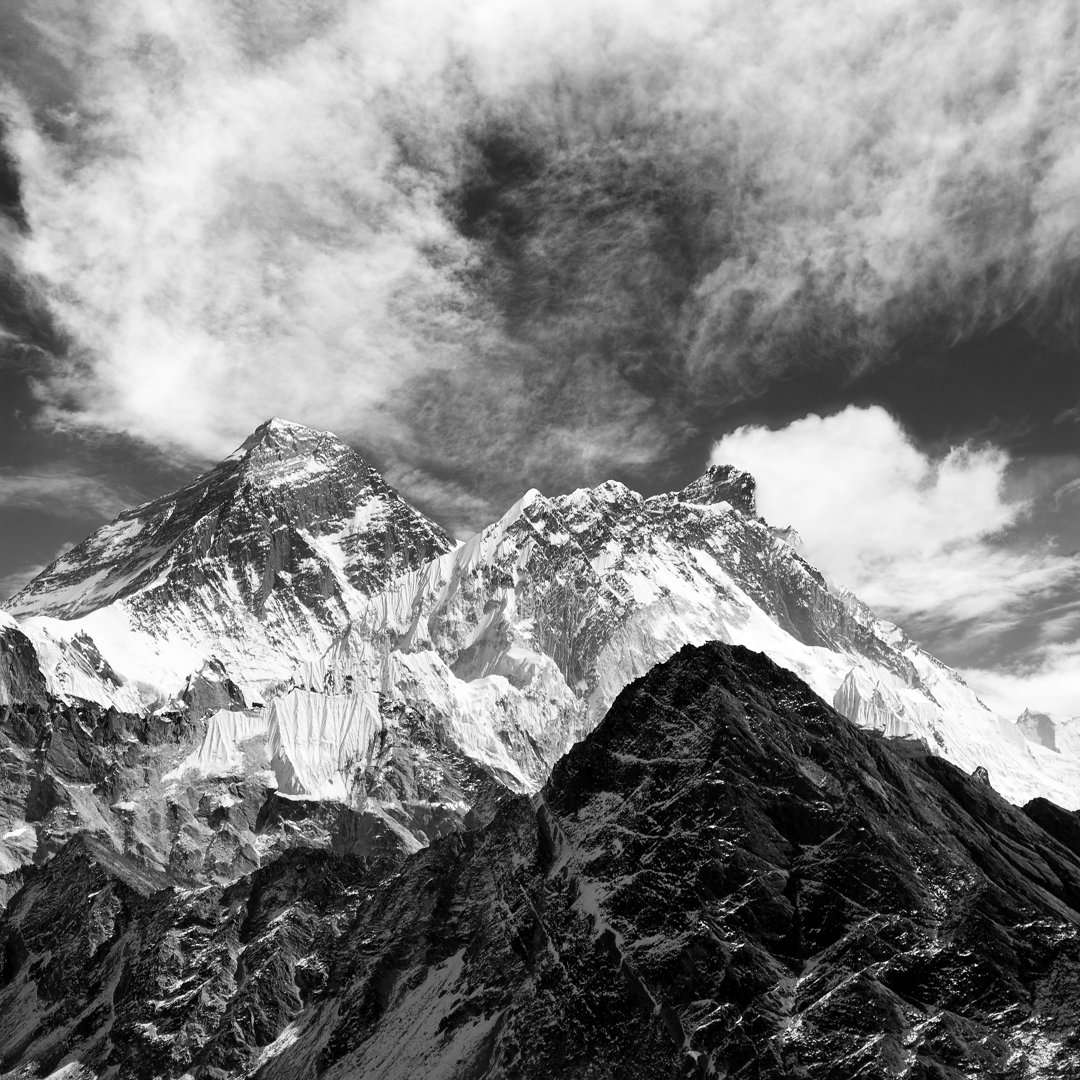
<point>726,878</point>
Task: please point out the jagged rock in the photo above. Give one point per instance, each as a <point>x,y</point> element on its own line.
<point>21,678</point>
<point>210,689</point>
<point>1038,727</point>
<point>726,878</point>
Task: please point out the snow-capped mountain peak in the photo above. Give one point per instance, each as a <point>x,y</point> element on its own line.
<point>280,451</point>
<point>257,562</point>
<point>724,483</point>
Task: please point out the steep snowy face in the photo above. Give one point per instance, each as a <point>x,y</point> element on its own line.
<point>258,562</point>
<point>522,637</point>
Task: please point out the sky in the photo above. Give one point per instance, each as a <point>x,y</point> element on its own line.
<point>498,244</point>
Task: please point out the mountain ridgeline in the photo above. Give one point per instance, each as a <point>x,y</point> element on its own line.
<point>306,789</point>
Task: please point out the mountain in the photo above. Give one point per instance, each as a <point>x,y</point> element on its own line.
<point>521,638</point>
<point>406,680</point>
<point>725,878</point>
<point>256,564</point>
<point>201,601</point>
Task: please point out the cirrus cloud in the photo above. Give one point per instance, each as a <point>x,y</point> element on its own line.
<point>60,491</point>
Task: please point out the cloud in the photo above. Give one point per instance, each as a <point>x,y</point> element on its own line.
<point>1046,681</point>
<point>924,540</point>
<point>382,217</point>
<point>60,492</point>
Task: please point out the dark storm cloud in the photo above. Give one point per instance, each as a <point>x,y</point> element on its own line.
<point>505,243</point>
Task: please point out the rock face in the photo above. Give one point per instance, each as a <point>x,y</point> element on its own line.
<point>726,878</point>
<point>1060,734</point>
<point>21,677</point>
<point>209,689</point>
<point>1038,727</point>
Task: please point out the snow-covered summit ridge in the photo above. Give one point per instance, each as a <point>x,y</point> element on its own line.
<point>279,430</point>
<point>257,562</point>
<point>566,599</point>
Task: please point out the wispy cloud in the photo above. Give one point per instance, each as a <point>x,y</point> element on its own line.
<point>924,540</point>
<point>61,492</point>
<point>542,232</point>
<point>11,583</point>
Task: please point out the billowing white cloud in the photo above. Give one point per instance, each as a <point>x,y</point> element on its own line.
<point>923,540</point>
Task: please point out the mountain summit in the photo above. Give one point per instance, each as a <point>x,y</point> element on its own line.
<point>257,562</point>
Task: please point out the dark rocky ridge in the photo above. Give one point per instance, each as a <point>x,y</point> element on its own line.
<point>725,879</point>
<point>79,769</point>
<point>21,678</point>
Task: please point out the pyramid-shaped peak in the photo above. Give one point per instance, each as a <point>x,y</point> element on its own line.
<point>278,445</point>
<point>284,434</point>
<point>724,483</point>
<point>280,452</point>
